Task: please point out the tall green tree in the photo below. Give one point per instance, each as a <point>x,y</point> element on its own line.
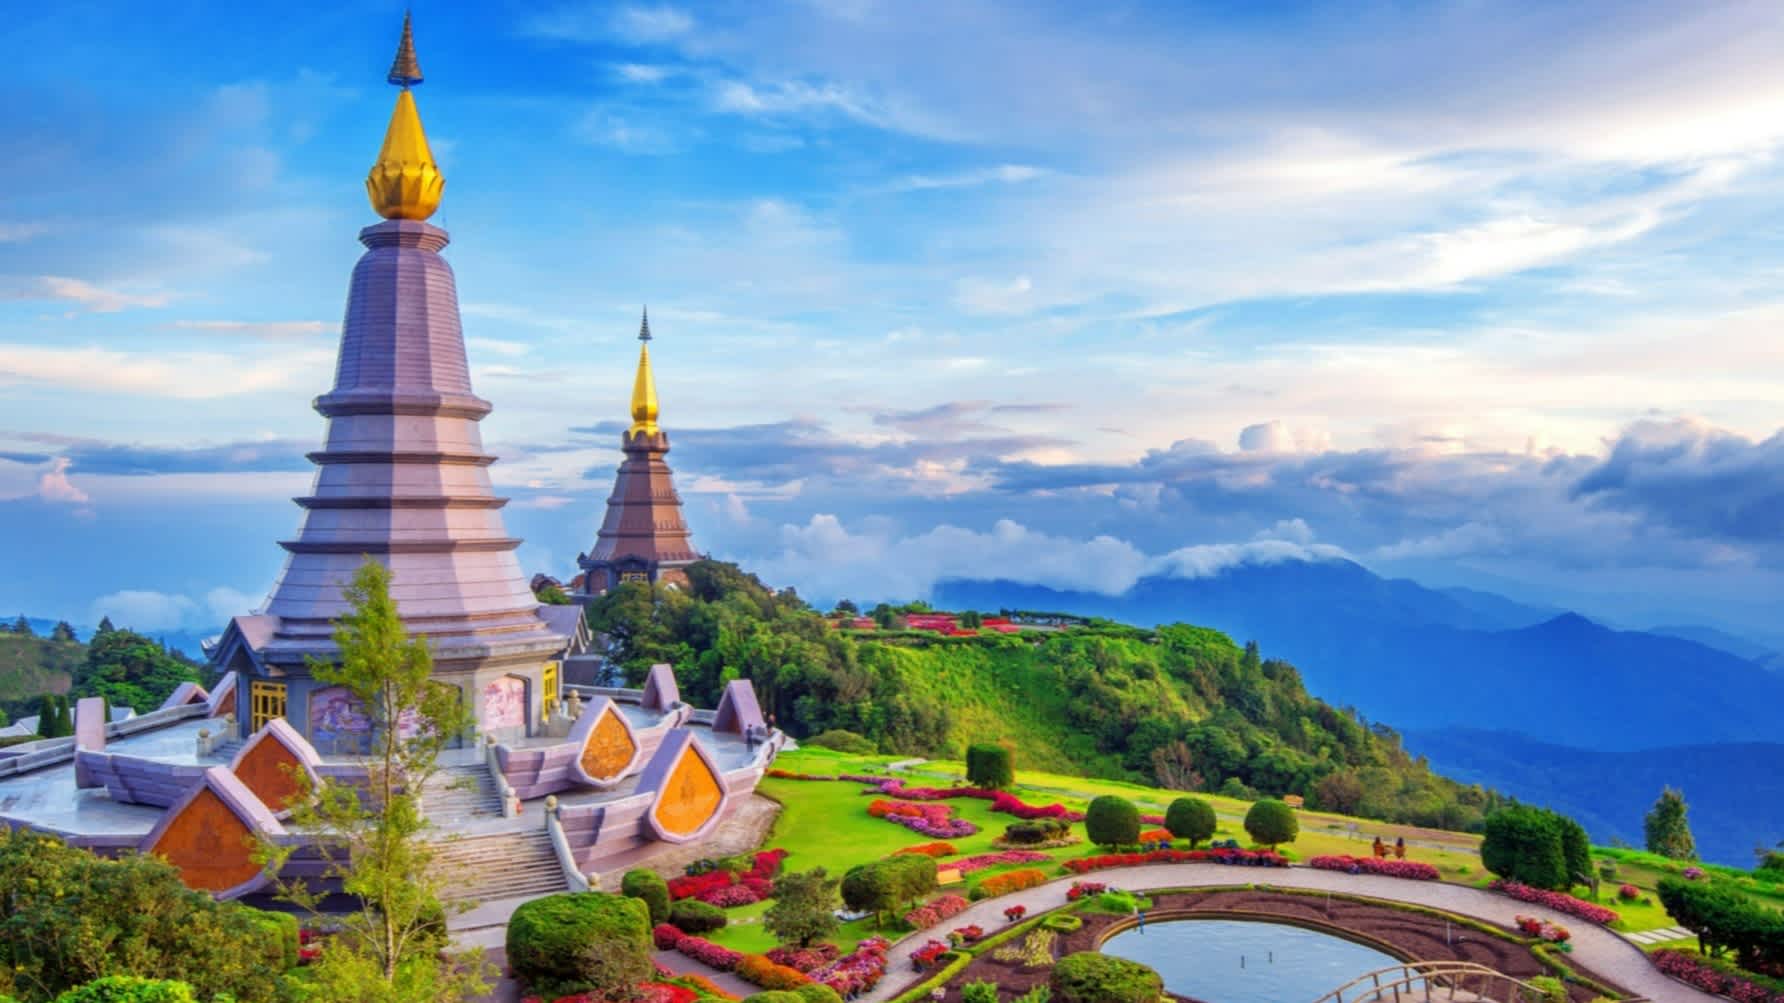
<point>1665,829</point>
<point>46,717</point>
<point>22,627</point>
<point>394,949</point>
<point>1525,845</point>
<point>804,907</point>
<point>130,670</point>
<point>63,631</point>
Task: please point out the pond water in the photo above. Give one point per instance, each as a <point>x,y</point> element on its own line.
<point>1246,961</point>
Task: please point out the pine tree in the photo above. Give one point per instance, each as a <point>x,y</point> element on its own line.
<point>64,718</point>
<point>1666,830</point>
<point>64,631</point>
<point>22,627</point>
<point>105,627</point>
<point>46,716</point>
<point>391,951</point>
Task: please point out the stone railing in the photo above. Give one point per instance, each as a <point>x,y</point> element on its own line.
<point>491,762</point>
<point>560,844</point>
<point>55,751</point>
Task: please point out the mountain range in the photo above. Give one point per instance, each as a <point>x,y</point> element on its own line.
<point>1483,684</point>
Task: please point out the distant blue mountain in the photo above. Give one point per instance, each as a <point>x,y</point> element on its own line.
<point>1423,659</point>
<point>1735,791</point>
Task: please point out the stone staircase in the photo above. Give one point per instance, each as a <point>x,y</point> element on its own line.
<point>499,866</point>
<point>460,793</point>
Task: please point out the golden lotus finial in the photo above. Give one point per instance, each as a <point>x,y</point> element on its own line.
<point>644,387</point>
<point>405,183</point>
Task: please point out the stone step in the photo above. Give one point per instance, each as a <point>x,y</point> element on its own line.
<point>503,865</point>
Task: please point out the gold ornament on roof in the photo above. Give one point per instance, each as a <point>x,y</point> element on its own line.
<point>405,183</point>
<point>644,387</point>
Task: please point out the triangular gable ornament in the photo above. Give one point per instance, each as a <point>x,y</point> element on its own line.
<point>269,763</point>
<point>660,689</point>
<point>607,747</point>
<point>690,789</point>
<point>211,833</point>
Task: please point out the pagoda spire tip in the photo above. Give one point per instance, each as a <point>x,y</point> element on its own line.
<point>405,70</point>
<point>644,326</point>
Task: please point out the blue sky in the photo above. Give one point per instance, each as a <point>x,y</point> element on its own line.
<point>1482,294</point>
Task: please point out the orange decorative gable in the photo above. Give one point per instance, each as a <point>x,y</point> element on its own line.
<point>210,836</point>
<point>690,790</point>
<point>610,748</point>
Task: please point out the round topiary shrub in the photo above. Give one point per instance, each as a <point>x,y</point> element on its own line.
<point>649,887</point>
<point>694,916</point>
<point>1112,821</point>
<point>1191,819</point>
<point>1272,823</point>
<point>580,941</point>
<point>1089,977</point>
<point>130,989</point>
<point>842,740</point>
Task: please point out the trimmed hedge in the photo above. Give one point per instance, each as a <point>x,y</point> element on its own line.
<point>581,940</point>
<point>1090,977</point>
<point>130,989</point>
<point>1272,823</point>
<point>989,766</point>
<point>695,916</point>
<point>649,887</point>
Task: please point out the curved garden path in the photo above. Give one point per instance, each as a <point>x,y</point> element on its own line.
<point>1604,952</point>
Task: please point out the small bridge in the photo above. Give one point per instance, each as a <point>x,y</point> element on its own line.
<point>1429,981</point>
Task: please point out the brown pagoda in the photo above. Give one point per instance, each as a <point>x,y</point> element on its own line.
<point>643,538</point>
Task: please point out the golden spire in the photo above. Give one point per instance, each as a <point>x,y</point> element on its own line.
<point>644,388</point>
<point>405,183</point>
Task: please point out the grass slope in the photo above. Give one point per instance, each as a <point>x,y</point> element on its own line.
<point>32,666</point>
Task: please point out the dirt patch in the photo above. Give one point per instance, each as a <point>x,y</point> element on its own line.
<point>1412,935</point>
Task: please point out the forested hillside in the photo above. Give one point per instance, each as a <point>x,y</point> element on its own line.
<point>125,667</point>
<point>1180,706</point>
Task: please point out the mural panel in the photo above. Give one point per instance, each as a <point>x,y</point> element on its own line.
<point>338,719</point>
<point>505,704</point>
<point>610,748</point>
<point>691,795</point>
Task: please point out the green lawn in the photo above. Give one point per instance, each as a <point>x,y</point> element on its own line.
<point>825,824</point>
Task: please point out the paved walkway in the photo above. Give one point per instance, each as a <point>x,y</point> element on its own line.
<point>1605,952</point>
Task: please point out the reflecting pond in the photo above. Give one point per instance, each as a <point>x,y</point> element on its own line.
<point>1246,961</point>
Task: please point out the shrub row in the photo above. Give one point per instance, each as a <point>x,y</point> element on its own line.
<point>1241,858</point>
<point>804,959</point>
<point>1692,971</point>
<point>1558,901</point>
<point>1722,918</point>
<point>758,970</point>
<point>1413,869</point>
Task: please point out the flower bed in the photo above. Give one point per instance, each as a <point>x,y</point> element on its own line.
<point>758,971</point>
<point>725,888</point>
<point>708,953</point>
<point>1001,801</point>
<point>1015,913</point>
<point>856,973</point>
<point>1010,804</point>
<point>666,936</point>
<point>1693,972</point>
<point>1555,900</point>
<point>1554,933</point>
<point>692,886</point>
<point>923,957</point>
<point>937,910</point>
<point>932,849</point>
<point>1156,836</point>
<point>731,896</point>
<point>1237,858</point>
<point>1629,893</point>
<point>1412,869</point>
<point>1010,881</point>
<point>968,865</point>
<point>1079,889</point>
<point>924,819</point>
<point>803,959</point>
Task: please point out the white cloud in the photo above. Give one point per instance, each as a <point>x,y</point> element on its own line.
<point>652,24</point>
<point>87,295</point>
<point>144,610</point>
<point>1002,174</point>
<point>985,296</point>
<point>54,486</point>
<point>1208,560</point>
<point>224,602</point>
<point>183,375</point>
<point>498,346</point>
<point>1277,437</point>
<point>275,329</point>
<point>18,232</point>
<point>641,73</point>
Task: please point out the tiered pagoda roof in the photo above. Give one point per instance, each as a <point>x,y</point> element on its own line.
<point>644,537</point>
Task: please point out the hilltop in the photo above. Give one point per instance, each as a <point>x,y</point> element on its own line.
<point>127,668</point>
<point>1178,706</point>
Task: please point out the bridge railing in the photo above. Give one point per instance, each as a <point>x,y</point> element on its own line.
<point>1435,980</point>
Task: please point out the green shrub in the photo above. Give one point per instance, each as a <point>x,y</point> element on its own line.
<point>1112,821</point>
<point>695,916</point>
<point>1089,977</point>
<point>130,989</point>
<point>1272,823</point>
<point>1042,993</point>
<point>1040,830</point>
<point>580,941</point>
<point>989,766</point>
<point>775,996</point>
<point>1064,922</point>
<point>817,992</point>
<point>649,887</point>
<point>979,992</point>
<point>842,740</point>
<point>71,917</point>
<point>888,884</point>
<point>280,930</point>
<point>1553,989</point>
<point>1524,844</point>
<point>1191,819</point>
